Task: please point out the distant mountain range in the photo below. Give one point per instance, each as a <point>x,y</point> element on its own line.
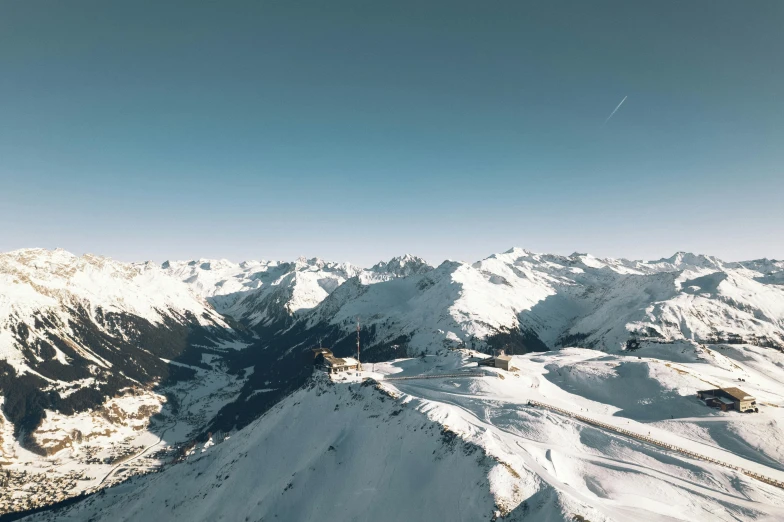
<point>521,299</point>
<point>76,332</point>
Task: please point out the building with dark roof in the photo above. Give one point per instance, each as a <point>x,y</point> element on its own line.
<point>337,365</point>
<point>729,399</point>
<point>324,358</point>
<point>499,361</point>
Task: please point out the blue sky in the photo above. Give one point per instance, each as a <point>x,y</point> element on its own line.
<point>358,131</point>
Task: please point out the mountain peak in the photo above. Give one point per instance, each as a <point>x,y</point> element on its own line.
<point>517,251</point>
<point>56,254</point>
<point>402,266</point>
<point>304,262</point>
<point>682,260</point>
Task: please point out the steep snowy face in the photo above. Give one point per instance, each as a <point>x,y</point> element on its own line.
<point>210,277</point>
<point>268,293</point>
<point>328,452</point>
<point>768,271</point>
<point>262,292</point>
<point>684,261</point>
<point>36,278</point>
<point>75,331</point>
<point>524,301</point>
<point>452,304</point>
<point>683,297</point>
<point>222,282</point>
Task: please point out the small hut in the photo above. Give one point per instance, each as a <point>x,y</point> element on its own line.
<point>501,361</point>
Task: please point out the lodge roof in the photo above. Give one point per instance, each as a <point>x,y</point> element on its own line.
<point>738,394</point>
<point>337,361</point>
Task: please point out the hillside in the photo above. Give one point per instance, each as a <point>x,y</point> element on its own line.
<point>350,450</point>
<point>472,447</point>
<point>92,355</point>
<point>264,293</point>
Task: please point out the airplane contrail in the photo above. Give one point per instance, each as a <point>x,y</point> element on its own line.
<point>615,110</point>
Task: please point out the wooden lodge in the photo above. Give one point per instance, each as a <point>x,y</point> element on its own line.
<point>729,399</point>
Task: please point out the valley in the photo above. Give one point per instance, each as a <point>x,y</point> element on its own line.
<point>135,434</point>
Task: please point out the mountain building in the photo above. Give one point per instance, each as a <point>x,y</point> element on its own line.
<point>325,359</point>
<point>729,399</point>
<point>501,361</point>
<point>338,365</point>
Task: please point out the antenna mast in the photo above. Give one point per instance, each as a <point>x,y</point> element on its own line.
<point>359,364</point>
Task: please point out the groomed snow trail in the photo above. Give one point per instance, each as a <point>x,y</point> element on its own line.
<point>615,429</point>
<point>601,464</point>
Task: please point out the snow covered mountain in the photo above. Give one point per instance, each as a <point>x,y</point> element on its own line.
<point>259,293</point>
<point>433,438</point>
<point>519,300</point>
<point>78,331</point>
<point>351,451</point>
<point>402,266</point>
<point>262,293</point>
<point>82,317</point>
<point>227,343</point>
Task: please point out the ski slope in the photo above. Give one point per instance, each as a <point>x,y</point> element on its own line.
<point>598,474</point>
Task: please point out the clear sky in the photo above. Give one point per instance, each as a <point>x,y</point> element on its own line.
<point>356,131</point>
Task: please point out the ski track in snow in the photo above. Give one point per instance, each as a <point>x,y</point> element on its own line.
<point>495,410</point>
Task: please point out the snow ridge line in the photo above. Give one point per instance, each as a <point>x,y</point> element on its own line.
<point>436,376</point>
<point>609,427</point>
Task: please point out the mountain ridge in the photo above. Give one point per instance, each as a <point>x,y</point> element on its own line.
<point>95,349</point>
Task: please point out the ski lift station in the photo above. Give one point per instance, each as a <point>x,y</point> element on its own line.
<point>729,399</point>
<point>324,358</point>
<point>501,361</point>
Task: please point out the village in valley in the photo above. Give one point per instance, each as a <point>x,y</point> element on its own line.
<point>20,490</point>
<point>132,435</point>
<point>39,482</point>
